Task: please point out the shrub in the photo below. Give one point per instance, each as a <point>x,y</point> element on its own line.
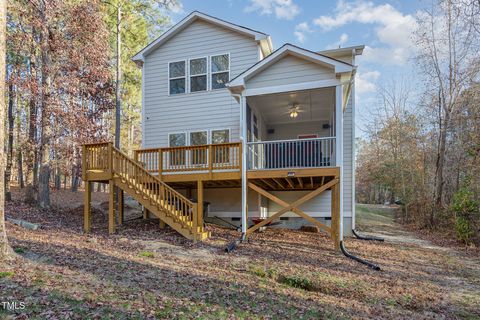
<point>297,282</point>
<point>466,209</point>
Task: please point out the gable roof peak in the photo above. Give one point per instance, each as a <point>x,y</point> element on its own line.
<point>262,38</point>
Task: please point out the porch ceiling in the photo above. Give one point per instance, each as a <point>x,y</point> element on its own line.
<point>318,104</point>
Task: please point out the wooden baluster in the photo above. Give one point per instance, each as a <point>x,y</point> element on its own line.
<point>160,163</point>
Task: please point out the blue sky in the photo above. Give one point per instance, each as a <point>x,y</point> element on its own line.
<point>384,27</point>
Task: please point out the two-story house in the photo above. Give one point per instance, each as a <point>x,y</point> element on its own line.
<point>260,134</point>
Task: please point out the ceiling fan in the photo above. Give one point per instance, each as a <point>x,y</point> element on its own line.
<point>294,110</point>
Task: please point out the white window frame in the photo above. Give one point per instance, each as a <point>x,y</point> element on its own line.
<point>175,78</point>
<point>200,74</point>
<point>210,137</point>
<point>217,72</point>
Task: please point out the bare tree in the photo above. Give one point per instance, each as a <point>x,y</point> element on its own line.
<point>3,235</point>
<point>448,43</point>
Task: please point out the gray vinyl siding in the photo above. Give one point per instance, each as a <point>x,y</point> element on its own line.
<point>348,141</point>
<point>213,109</point>
<point>290,70</point>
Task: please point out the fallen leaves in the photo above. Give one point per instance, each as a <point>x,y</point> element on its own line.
<point>147,273</point>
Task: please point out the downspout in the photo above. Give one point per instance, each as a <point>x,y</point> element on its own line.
<point>243,133</point>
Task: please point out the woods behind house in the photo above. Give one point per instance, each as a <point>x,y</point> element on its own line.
<point>423,151</point>
<point>70,80</point>
<point>64,81</point>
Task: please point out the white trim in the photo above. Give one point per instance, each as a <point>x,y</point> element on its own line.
<point>144,119</point>
<point>288,49</point>
<point>292,87</point>
<point>339,146</point>
<point>176,78</point>
<point>197,75</point>
<point>243,135</point>
<point>211,73</point>
<point>258,36</point>
<point>352,97</point>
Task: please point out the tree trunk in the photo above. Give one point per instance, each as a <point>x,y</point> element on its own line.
<point>44,152</point>
<point>118,80</point>
<point>440,163</point>
<point>11,122</point>
<point>4,249</point>
<point>58,180</point>
<point>44,187</point>
<point>21,182</point>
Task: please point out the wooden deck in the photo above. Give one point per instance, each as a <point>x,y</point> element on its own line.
<point>154,175</point>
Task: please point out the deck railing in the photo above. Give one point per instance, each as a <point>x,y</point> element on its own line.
<point>97,156</point>
<point>104,157</point>
<point>298,153</point>
<point>212,157</point>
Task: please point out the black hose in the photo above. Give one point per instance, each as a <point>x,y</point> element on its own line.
<point>233,245</point>
<point>372,238</point>
<point>351,256</point>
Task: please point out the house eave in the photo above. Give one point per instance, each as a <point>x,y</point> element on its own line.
<point>195,15</point>
<point>338,66</point>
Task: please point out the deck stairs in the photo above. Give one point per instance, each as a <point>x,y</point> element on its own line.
<point>159,198</point>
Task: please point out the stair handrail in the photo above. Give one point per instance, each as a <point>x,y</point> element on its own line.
<point>154,177</point>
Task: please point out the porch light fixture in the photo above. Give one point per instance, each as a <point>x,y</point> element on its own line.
<point>293,114</point>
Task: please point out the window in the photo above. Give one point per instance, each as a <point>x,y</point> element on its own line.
<point>220,136</point>
<point>220,69</point>
<point>221,154</point>
<point>177,157</point>
<point>198,156</point>
<point>198,74</point>
<point>177,77</point>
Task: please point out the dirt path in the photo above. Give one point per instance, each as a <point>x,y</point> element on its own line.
<point>143,272</point>
<point>462,281</point>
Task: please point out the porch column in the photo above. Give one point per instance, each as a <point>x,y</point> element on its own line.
<point>243,139</point>
<point>339,147</point>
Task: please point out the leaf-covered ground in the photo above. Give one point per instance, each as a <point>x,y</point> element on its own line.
<point>143,272</point>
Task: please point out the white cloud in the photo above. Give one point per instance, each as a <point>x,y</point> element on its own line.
<point>301,30</point>
<point>283,9</point>
<point>175,7</point>
<point>393,28</point>
<point>365,82</point>
<point>341,41</point>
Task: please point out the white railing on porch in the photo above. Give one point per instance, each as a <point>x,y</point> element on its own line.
<point>297,153</point>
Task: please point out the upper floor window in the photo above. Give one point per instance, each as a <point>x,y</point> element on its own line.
<point>198,74</point>
<point>220,69</point>
<point>177,77</point>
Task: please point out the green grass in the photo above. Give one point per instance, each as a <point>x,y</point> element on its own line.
<point>146,254</point>
<point>6,274</point>
<point>20,250</point>
<point>297,282</point>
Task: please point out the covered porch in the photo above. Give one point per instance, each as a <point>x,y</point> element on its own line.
<point>293,129</point>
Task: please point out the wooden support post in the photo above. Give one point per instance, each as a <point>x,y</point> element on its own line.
<point>210,160</point>
<point>195,222</point>
<point>87,209</point>
<point>200,203</point>
<point>335,225</point>
<point>160,163</point>
<point>84,163</point>
<point>146,214</point>
<point>162,224</point>
<point>110,159</point>
<point>111,207</point>
<point>121,206</point>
